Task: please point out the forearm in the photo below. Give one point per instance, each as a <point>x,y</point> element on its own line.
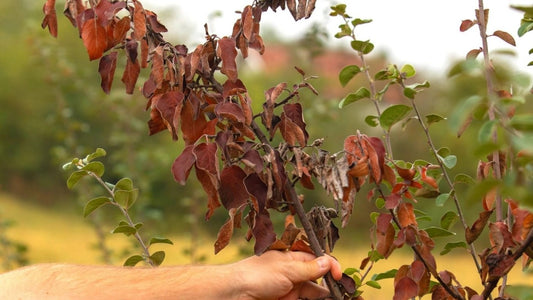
<point>56,281</point>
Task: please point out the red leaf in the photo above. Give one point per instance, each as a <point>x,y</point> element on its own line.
<point>247,22</point>
<point>106,68</point>
<point>157,71</point>
<point>500,237</point>
<point>232,191</point>
<point>94,38</point>
<point>405,289</point>
<point>523,221</point>
<point>154,23</point>
<point>131,73</point>
<point>392,201</point>
<point>473,232</point>
<point>257,189</point>
<point>506,37</point>
<point>406,214</point>
<point>466,24</point>
<point>139,21</point>
<point>183,164</point>
<point>472,54</point>
<point>192,125</point>
<point>291,132</point>
<point>105,11</point>
<point>263,232</point>
<point>230,111</point>
<point>428,179</point>
<point>206,157</point>
<point>253,159</point>
<point>50,17</point>
<point>227,52</point>
<point>294,112</point>
<point>209,184</point>
<point>226,231</point>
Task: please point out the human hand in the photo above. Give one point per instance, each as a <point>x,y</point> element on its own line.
<point>285,275</point>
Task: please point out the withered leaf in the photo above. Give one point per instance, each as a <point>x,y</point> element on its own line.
<point>263,232</point>
<point>154,23</point>
<point>500,237</point>
<point>230,111</point>
<point>50,17</point>
<point>130,75</point>
<point>206,157</point>
<point>257,189</point>
<point>294,112</point>
<point>466,24</point>
<point>94,38</point>
<point>406,214</point>
<point>169,105</point>
<point>253,159</point>
<point>247,22</point>
<point>473,232</point>
<point>158,64</point>
<point>226,231</point>
<point>183,164</point>
<point>505,36</point>
<point>232,191</point>
<point>227,52</point>
<point>105,11</point>
<point>291,132</point>
<point>73,9</point>
<point>106,68</point>
<point>139,21</point>
<point>192,125</point>
<point>406,288</point>
<point>209,184</point>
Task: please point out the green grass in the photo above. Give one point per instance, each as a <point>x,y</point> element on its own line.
<point>59,235</point>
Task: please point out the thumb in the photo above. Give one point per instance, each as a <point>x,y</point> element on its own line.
<point>311,270</point>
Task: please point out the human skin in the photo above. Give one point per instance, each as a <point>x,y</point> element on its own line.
<point>273,275</point>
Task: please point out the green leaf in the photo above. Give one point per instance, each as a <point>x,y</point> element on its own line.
<point>347,73</point>
<point>94,204</point>
<point>158,240</point>
<point>158,257</point>
<point>393,114</point>
<point>519,291</point>
<point>364,47</point>
<point>372,121</point>
<point>339,9</point>
<point>524,28</point>
<point>361,93</point>
<point>409,93</point>
<point>449,161</point>
<point>434,232</point>
<point>75,177</point>
<point>98,153</point>
<point>374,216</point>
<point>95,167</point>
<point>432,118</point>
<point>486,130</point>
<point>408,71</point>
<point>133,260</point>
<point>441,199</point>
<point>350,271</point>
<point>463,178</point>
<point>374,255</point>
<point>449,246</point>
<point>522,122</point>
<point>448,219</point>
<point>126,198</point>
<point>126,229</point>
<point>358,21</point>
<point>374,284</point>
<point>385,275</point>
<point>124,184</point>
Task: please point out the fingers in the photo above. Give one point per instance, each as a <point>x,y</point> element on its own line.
<point>307,267</point>
<point>307,290</point>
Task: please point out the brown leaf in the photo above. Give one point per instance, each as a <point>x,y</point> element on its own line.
<point>105,11</point>
<point>73,9</point>
<point>385,235</point>
<point>50,17</point>
<point>233,193</point>
<point>257,189</point>
<point>294,112</point>
<point>169,106</point>
<point>466,24</point>
<point>227,52</point>
<point>247,22</point>
<point>263,232</point>
<point>500,237</point>
<point>94,38</point>
<point>505,36</point>
<point>473,232</point>
<point>291,5</point>
<point>523,221</point>
<point>392,201</point>
<point>106,68</point>
<point>253,159</point>
<point>158,64</point>
<point>154,23</point>
<point>210,185</point>
<point>230,111</point>
<point>472,54</point>
<point>226,231</point>
<point>131,73</point>
<point>139,21</point>
<point>183,164</point>
<point>405,289</point>
<point>291,132</point>
<point>406,214</point>
<point>192,124</point>
<point>206,157</point>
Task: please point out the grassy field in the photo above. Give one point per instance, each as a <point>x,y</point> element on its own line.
<point>56,236</point>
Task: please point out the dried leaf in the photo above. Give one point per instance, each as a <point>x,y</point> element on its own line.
<point>139,21</point>
<point>405,289</point>
<point>233,193</point>
<point>466,24</point>
<point>131,73</point>
<point>210,186</point>
<point>247,22</point>
<point>106,68</point>
<point>406,214</point>
<point>263,232</point>
<point>500,237</point>
<point>50,17</point>
<point>473,232</point>
<point>206,157</point>
<point>226,231</point>
<point>183,164</point>
<point>154,23</point>
<point>230,111</point>
<point>506,37</point>
<point>227,52</point>
<point>94,38</point>
<point>192,124</point>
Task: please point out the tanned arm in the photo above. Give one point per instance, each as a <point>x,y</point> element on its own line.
<point>272,275</point>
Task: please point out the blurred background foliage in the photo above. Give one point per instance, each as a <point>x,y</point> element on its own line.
<point>53,109</point>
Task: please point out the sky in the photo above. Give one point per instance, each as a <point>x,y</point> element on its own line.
<point>423,33</point>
